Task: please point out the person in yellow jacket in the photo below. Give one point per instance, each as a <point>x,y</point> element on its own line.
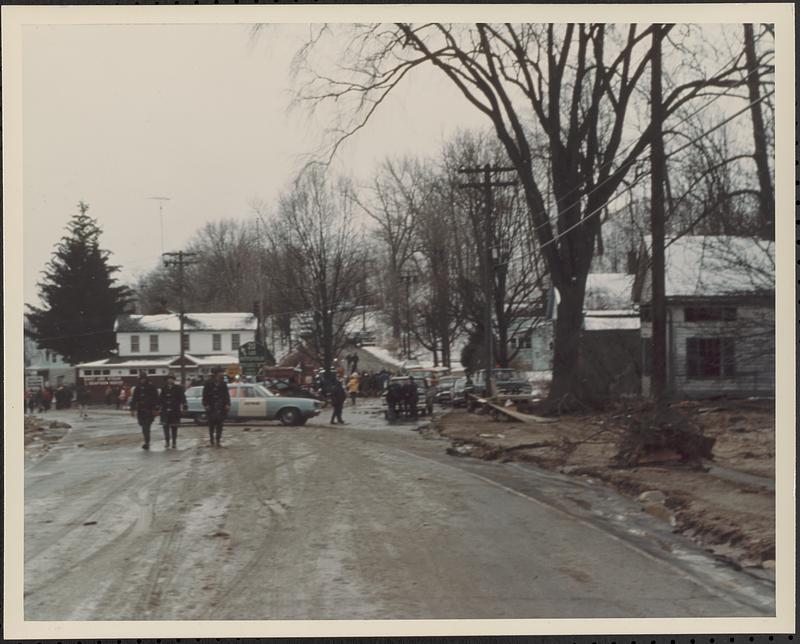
<point>352,387</point>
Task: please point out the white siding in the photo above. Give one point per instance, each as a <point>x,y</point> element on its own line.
<point>754,337</point>
<point>200,342</point>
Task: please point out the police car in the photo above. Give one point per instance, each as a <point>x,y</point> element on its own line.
<point>250,401</point>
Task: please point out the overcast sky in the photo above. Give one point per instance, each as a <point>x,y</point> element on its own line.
<point>116,114</point>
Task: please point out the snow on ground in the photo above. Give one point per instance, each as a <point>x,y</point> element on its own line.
<point>383,354</point>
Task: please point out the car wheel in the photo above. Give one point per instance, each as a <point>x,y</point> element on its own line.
<point>289,416</point>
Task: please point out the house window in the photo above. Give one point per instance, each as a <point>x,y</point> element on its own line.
<point>151,371</point>
<point>106,372</point>
<point>134,344</point>
<point>235,340</point>
<point>709,313</point>
<point>186,342</point>
<point>47,356</point>
<point>524,342</point>
<point>154,343</point>
<point>133,372</point>
<point>710,357</point>
<point>216,342</point>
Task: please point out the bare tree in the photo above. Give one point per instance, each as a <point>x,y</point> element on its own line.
<point>573,83</point>
<point>314,234</point>
<point>760,154</point>
<point>222,280</point>
<point>386,202</point>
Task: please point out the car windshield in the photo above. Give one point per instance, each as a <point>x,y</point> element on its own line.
<point>194,392</point>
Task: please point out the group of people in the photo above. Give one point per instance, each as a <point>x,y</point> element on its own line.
<point>148,402</point>
<point>42,400</point>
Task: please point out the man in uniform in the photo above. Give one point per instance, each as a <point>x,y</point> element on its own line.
<point>217,402</point>
<point>173,400</point>
<point>144,404</point>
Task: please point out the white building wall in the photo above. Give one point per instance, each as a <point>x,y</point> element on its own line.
<point>754,336</point>
<point>200,342</point>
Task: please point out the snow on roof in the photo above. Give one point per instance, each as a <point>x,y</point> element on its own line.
<point>160,361</point>
<point>611,322</point>
<point>608,291</point>
<point>128,323</point>
<point>716,265</point>
<point>218,359</point>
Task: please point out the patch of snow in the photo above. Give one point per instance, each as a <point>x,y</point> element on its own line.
<point>383,354</point>
<point>608,291</point>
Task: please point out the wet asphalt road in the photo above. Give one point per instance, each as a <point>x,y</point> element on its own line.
<point>364,521</point>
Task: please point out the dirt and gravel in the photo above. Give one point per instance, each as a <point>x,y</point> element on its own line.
<point>728,506</point>
<point>41,433</point>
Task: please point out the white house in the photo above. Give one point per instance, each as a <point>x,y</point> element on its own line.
<point>46,366</point>
<point>720,298</point>
<point>151,344</point>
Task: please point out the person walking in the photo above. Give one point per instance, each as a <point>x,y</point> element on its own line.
<point>217,402</point>
<point>32,401</point>
<point>47,398</point>
<point>144,405</point>
<point>338,396</point>
<point>82,396</point>
<point>352,387</point>
<point>172,400</point>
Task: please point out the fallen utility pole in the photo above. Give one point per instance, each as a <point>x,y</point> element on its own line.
<point>488,243</point>
<point>182,259</point>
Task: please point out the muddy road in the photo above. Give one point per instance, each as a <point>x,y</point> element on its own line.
<point>363,521</point>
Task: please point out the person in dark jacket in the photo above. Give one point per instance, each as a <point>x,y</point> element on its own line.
<point>82,396</point>
<point>338,396</point>
<point>144,404</point>
<point>171,401</point>
<point>217,402</point>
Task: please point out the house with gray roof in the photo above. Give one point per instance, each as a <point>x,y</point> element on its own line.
<point>720,299</point>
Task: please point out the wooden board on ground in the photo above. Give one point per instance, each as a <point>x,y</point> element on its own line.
<point>515,415</point>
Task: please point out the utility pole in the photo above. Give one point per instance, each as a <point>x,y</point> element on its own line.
<point>181,260</point>
<point>658,176</point>
<point>408,277</point>
<point>161,201</point>
<point>261,323</point>
<point>488,245</point>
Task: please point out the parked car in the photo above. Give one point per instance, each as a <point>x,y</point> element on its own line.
<point>425,394</point>
<point>461,388</point>
<point>508,382</point>
<point>254,402</point>
<point>444,390</point>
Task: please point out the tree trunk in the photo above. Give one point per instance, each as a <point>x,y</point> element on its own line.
<point>766,196</point>
<point>566,376</point>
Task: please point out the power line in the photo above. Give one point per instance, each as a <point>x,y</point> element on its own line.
<point>558,201</point>
<point>647,173</point>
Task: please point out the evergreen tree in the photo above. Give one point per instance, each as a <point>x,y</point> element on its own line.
<point>80,295</point>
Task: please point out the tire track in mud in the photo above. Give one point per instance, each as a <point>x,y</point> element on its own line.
<point>164,565</point>
<point>77,522</point>
<point>114,598</point>
<point>279,518</point>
